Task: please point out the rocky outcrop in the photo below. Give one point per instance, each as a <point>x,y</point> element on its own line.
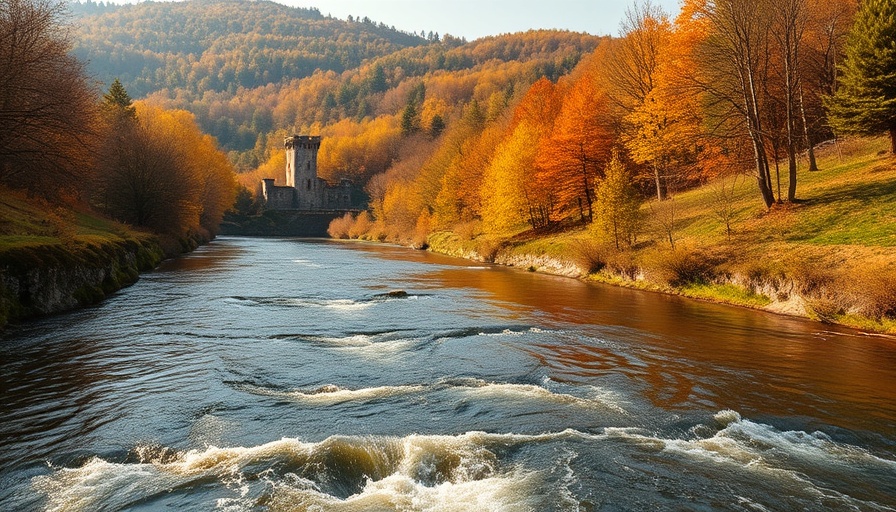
<point>46,279</point>
<point>539,263</point>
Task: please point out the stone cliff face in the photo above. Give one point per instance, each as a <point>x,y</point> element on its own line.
<point>43,280</point>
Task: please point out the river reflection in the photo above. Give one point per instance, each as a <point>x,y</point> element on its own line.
<point>691,353</point>
<point>277,374</point>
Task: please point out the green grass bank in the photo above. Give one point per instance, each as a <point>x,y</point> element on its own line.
<point>55,258</point>
<point>830,256</point>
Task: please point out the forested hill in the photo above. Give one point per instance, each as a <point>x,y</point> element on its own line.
<point>250,70</point>
<point>217,45</point>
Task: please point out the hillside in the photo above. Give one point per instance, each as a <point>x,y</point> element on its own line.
<point>220,45</point>
<point>54,256</point>
<point>250,71</point>
<point>831,256</point>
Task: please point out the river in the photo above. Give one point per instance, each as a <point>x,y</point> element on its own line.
<point>281,374</point>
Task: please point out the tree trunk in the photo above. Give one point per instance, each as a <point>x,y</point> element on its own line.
<point>778,175</point>
<point>660,189</point>
<point>893,139</point>
<point>589,199</point>
<point>754,123</point>
<point>810,149</point>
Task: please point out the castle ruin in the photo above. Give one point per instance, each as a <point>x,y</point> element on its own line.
<point>304,189</point>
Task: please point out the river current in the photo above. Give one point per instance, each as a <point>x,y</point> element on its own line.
<point>282,374</point>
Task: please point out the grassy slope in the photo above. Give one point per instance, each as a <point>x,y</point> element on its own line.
<point>28,222</point>
<point>35,234</point>
<point>849,201</point>
<point>829,248</point>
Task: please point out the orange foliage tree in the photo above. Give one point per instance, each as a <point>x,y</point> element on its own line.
<point>159,171</point>
<point>578,148</point>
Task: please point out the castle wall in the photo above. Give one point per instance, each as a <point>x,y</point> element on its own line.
<point>278,198</point>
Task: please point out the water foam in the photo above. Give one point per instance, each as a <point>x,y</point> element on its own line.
<point>304,302</point>
<point>469,388</point>
<point>763,445</point>
<point>508,493</point>
<point>331,394</point>
<point>481,389</point>
<point>786,456</point>
<point>416,472</point>
<point>369,345</point>
<point>307,263</point>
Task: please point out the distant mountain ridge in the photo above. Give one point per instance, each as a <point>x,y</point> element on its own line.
<point>218,45</point>
<point>251,70</point>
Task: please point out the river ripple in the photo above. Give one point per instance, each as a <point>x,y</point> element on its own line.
<point>277,374</point>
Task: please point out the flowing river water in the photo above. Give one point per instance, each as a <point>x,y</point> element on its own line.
<point>280,374</point>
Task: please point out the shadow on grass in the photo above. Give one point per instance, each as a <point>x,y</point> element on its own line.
<point>857,213</point>
<point>858,192</point>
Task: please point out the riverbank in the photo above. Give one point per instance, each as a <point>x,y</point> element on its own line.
<point>831,256</point>
<point>688,274</point>
<point>56,258</point>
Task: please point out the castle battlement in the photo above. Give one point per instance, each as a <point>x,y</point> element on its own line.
<point>302,141</point>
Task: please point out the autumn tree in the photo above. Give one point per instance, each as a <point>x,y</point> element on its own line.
<point>451,180</point>
<point>829,24</point>
<point>160,172</point>
<point>508,182</point>
<point>790,19</point>
<point>47,108</point>
<point>865,100</point>
<point>578,147</point>
<point>538,109</point>
<point>631,70</point>
<point>617,203</point>
<point>733,57</point>
<point>464,157</point>
<point>139,182</point>
<point>634,58</point>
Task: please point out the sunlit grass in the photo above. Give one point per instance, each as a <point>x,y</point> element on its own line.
<point>727,293</point>
<point>851,200</point>
<point>28,222</point>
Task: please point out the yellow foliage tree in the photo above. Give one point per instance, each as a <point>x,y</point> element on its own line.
<point>161,172</point>
<point>508,181</point>
<point>617,202</point>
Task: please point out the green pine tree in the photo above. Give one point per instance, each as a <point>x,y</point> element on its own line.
<point>118,101</point>
<point>410,120</point>
<point>865,101</point>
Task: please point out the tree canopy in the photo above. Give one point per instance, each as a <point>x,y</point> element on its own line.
<point>47,107</point>
<point>865,101</point>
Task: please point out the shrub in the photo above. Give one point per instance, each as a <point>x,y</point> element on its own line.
<point>488,249</point>
<point>339,227</point>
<point>468,230</point>
<point>876,292</point>
<point>360,226</point>
<point>624,264</point>
<point>589,255</point>
<point>825,309</point>
<point>685,267</point>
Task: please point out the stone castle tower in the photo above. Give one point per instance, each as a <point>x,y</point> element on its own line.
<point>304,189</point>
<point>301,169</point>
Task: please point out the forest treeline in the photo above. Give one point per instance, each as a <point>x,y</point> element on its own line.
<point>726,87</point>
<point>250,72</point>
<point>519,131</point>
<point>65,142</point>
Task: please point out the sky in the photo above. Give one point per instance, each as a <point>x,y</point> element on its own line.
<point>473,19</point>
